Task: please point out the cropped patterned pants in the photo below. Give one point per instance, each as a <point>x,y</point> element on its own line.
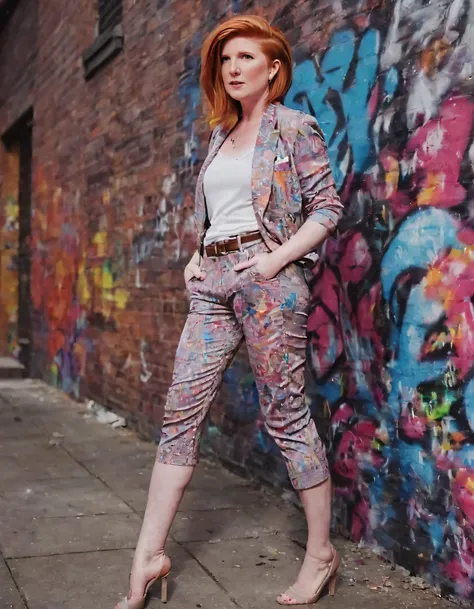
<point>270,315</point>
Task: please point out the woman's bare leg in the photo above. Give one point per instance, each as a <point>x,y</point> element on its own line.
<point>317,506</point>
<point>167,486</point>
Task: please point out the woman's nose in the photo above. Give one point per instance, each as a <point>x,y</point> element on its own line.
<point>234,69</point>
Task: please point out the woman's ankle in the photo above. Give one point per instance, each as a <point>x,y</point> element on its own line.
<point>153,555</point>
<point>322,553</point>
<point>148,557</point>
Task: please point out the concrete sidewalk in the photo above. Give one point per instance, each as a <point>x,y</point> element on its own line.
<point>72,493</point>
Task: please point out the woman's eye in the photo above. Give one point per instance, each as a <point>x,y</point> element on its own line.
<point>247,56</point>
<point>224,59</point>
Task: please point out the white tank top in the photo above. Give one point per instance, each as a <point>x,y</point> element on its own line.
<point>228,191</point>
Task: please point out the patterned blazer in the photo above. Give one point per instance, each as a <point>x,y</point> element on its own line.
<point>291,177</point>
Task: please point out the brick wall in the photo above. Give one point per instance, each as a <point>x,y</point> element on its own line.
<point>390,352</point>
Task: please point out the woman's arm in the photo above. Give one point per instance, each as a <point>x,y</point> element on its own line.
<point>320,200</point>
<point>307,238</point>
<point>310,235</point>
<point>322,207</point>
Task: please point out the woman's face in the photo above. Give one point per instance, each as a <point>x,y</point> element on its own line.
<point>246,71</point>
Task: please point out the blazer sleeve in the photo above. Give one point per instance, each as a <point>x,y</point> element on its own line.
<point>321,202</point>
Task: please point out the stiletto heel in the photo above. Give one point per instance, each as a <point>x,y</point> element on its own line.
<point>163,573</point>
<point>293,597</point>
<point>164,589</point>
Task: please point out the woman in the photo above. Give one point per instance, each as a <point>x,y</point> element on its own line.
<point>265,199</point>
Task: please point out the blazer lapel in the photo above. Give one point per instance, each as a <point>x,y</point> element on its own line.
<point>264,160</point>
<point>200,204</point>
<point>262,167</point>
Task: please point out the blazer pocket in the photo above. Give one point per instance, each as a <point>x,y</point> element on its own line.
<point>284,180</point>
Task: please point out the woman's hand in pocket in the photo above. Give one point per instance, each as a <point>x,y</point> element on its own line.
<point>193,271</point>
<point>266,265</point>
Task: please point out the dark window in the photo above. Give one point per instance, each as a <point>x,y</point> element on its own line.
<point>110,14</point>
<point>109,41</point>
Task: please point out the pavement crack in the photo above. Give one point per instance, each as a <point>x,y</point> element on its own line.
<point>69,553</point>
<point>210,574</point>
<point>22,596</point>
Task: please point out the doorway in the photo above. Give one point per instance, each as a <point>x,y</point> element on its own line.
<point>18,142</point>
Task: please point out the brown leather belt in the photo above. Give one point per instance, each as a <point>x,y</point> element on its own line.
<point>226,246</point>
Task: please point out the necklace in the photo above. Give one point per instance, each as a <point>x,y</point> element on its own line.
<point>234,138</point>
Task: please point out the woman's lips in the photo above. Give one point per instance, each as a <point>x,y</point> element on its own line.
<point>236,84</point>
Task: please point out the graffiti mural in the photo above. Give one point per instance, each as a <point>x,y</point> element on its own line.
<point>392,325</point>
<point>86,273</point>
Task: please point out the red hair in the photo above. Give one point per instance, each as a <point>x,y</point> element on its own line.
<point>273,44</point>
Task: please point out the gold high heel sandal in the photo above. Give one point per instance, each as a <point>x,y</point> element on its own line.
<point>293,597</point>
<point>165,569</point>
